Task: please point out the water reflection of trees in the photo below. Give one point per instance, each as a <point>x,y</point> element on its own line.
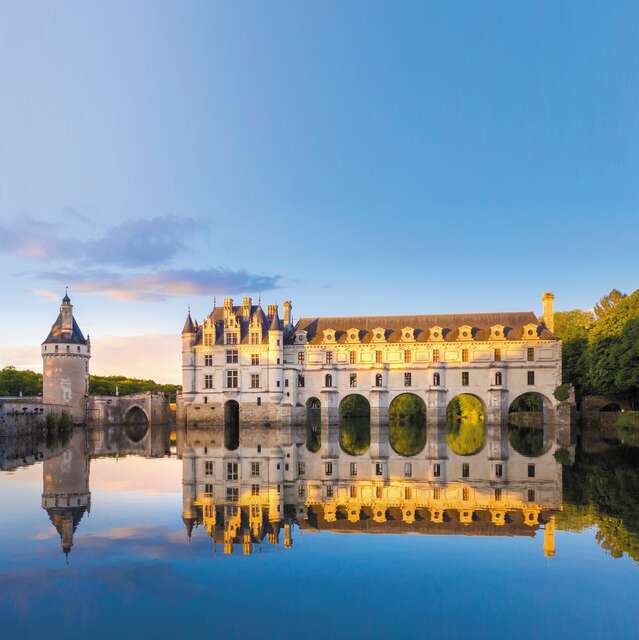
<point>601,489</point>
<point>355,425</point>
<point>465,429</point>
<point>528,441</point>
<point>407,424</point>
<point>313,425</point>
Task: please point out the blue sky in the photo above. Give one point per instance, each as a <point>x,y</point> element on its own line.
<point>356,157</point>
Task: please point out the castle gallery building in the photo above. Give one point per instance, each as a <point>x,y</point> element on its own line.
<point>242,363</point>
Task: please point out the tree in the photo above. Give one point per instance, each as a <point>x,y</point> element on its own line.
<point>14,382</point>
<point>573,325</point>
<point>608,302</point>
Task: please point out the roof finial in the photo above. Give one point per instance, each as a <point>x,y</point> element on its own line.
<point>189,309</point>
<point>66,299</point>
<point>214,302</point>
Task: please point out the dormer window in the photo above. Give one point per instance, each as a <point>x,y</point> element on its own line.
<point>408,334</point>
<point>300,337</point>
<point>497,332</point>
<point>329,335</point>
<point>379,334</point>
<point>465,332</point>
<point>436,333</point>
<point>352,335</point>
<point>530,332</point>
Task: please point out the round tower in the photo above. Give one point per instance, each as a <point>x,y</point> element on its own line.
<point>65,359</point>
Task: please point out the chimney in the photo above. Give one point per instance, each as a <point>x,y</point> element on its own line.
<point>549,314</point>
<point>246,307</point>
<point>228,303</point>
<point>272,310</point>
<point>288,307</point>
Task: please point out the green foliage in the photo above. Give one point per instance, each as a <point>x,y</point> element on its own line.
<point>465,424</point>
<point>407,424</point>
<point>528,441</point>
<point>13,382</point>
<point>608,302</point>
<point>106,386</point>
<point>627,425</point>
<point>354,406</point>
<point>562,392</point>
<point>573,325</point>
<point>562,456</point>
<point>355,435</point>
<point>532,402</point>
<point>313,429</point>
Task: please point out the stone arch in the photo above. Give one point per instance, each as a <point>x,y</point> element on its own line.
<point>465,424</point>
<point>529,420</point>
<point>354,424</point>
<point>231,424</point>
<point>407,424</point>
<point>136,423</point>
<point>313,424</point>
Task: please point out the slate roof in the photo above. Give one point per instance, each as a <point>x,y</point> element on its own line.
<point>513,323</point>
<point>56,334</point>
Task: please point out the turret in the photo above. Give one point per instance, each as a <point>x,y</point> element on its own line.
<point>65,360</point>
<point>275,351</point>
<point>246,307</point>
<point>189,334</point>
<point>549,314</point>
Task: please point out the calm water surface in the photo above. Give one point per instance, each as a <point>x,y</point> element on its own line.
<point>113,558</point>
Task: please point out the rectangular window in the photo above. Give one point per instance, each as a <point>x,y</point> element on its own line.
<point>379,492</point>
<point>465,494</point>
<point>208,468</point>
<point>437,470</point>
<point>232,379</point>
<point>255,469</point>
<point>531,495</point>
<point>208,488</point>
<point>531,377</point>
<point>379,468</point>
<point>286,382</point>
<point>435,355</point>
<point>353,491</point>
<point>530,354</point>
<point>464,355</point>
<point>408,493</point>
<point>353,380</point>
<point>231,338</point>
<point>328,468</point>
<point>465,470</point>
<point>379,357</point>
<point>329,491</point>
<point>497,355</point>
<point>231,356</point>
<point>232,494</point>
<point>231,471</point>
<point>208,381</point>
<point>255,381</point>
<point>277,383</point>
<point>499,470</point>
<point>497,495</point>
<point>255,359</point>
<point>408,355</point>
<point>437,492</point>
<point>301,468</point>
<point>301,491</point>
<point>208,360</point>
<point>329,357</point>
<point>300,357</point>
<point>408,470</point>
<point>465,378</point>
<point>408,379</point>
<point>531,470</point>
<point>353,468</point>
<point>208,339</point>
<point>300,381</point>
<point>353,357</point>
<point>255,337</point>
<point>255,489</point>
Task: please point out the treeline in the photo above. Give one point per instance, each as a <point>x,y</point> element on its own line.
<point>29,383</point>
<point>601,347</point>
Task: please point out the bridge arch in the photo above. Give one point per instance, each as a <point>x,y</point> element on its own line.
<point>530,423</point>
<point>407,424</point>
<point>136,423</point>
<point>313,424</point>
<point>231,425</point>
<point>465,428</point>
<point>354,424</point>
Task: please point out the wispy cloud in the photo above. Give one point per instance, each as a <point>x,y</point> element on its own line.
<point>45,293</point>
<point>127,261</point>
<point>159,285</point>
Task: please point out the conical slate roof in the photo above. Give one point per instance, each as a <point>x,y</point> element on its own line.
<point>276,325</point>
<point>57,335</point>
<point>189,327</point>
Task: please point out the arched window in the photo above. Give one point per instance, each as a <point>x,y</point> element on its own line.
<point>328,380</point>
<point>498,378</point>
<point>378,380</point>
<point>436,380</point>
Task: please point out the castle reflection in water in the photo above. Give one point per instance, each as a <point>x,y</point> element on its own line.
<point>272,482</point>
